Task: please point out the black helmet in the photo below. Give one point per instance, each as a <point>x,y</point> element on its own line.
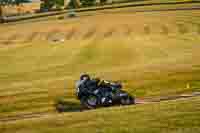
<point>84,76</point>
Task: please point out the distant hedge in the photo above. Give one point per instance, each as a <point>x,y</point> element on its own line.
<point>95,8</point>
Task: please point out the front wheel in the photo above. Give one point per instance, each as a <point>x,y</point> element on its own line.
<point>89,102</point>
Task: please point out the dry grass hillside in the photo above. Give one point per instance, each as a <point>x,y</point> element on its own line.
<point>153,53</point>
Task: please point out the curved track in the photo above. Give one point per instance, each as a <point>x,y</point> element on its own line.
<point>138,102</point>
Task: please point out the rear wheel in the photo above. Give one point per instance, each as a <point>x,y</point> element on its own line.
<point>89,102</point>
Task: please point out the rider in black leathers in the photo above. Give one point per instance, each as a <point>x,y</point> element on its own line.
<point>86,84</point>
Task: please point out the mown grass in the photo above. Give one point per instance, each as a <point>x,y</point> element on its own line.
<point>162,62</point>
<point>176,117</point>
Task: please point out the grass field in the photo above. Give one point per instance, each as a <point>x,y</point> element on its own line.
<point>152,53</point>
<point>175,117</point>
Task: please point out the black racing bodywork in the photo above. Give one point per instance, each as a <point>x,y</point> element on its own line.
<point>107,93</point>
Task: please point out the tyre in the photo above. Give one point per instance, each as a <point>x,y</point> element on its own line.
<point>89,102</point>
<point>106,101</point>
<point>127,100</point>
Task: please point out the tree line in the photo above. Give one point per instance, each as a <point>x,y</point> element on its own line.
<point>47,5</point>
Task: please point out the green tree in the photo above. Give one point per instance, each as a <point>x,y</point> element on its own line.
<point>86,3</point>
<point>74,4</point>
